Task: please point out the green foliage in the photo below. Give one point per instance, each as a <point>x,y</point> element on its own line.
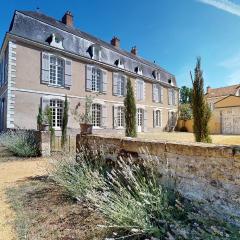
<point>130,111</point>
<point>133,201</point>
<point>201,110</point>
<point>21,143</point>
<point>64,123</point>
<point>186,95</point>
<point>185,112</point>
<point>48,120</point>
<point>40,117</point>
<point>85,117</point>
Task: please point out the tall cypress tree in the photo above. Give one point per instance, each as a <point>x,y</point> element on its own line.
<point>64,123</point>
<point>130,111</point>
<point>200,108</point>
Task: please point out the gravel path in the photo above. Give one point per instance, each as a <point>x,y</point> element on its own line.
<point>10,173</point>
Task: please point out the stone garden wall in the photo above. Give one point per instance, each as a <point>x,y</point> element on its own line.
<point>205,172</point>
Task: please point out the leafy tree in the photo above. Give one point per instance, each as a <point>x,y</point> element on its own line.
<point>185,95</point>
<point>185,113</point>
<point>64,123</point>
<point>201,110</point>
<point>130,111</point>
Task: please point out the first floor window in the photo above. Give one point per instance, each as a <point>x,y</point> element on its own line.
<point>56,71</point>
<point>96,79</point>
<point>158,118</point>
<point>56,107</point>
<point>120,116</point>
<point>121,85</point>
<point>96,115</point>
<point>140,90</point>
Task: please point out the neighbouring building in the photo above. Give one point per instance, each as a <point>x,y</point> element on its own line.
<point>225,106</point>
<point>43,59</point>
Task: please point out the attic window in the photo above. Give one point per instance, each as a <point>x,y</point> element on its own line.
<point>138,70</point>
<point>156,75</point>
<point>170,81</point>
<point>55,40</point>
<point>95,52</point>
<point>119,63</point>
<point>238,92</point>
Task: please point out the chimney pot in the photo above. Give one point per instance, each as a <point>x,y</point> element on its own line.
<point>68,19</point>
<point>208,89</point>
<point>115,42</point>
<point>134,50</point>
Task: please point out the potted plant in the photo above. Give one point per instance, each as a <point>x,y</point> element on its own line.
<point>43,119</point>
<point>84,119</point>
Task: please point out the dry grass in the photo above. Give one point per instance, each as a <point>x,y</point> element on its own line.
<point>43,211</point>
<point>189,137</point>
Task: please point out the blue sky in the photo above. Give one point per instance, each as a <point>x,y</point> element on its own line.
<point>171,32</point>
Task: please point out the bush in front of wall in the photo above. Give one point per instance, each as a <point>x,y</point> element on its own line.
<point>64,123</point>
<point>21,143</point>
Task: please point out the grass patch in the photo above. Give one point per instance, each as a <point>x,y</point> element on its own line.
<point>44,211</point>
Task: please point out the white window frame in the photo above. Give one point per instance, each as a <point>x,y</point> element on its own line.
<point>158,122</point>
<point>238,93</point>
<point>120,117</point>
<point>98,50</point>
<point>121,84</point>
<point>97,79</point>
<point>55,80</point>
<point>97,123</point>
<point>140,85</point>
<point>56,112</point>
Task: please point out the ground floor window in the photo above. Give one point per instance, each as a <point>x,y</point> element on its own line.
<point>172,119</point>
<point>56,107</point>
<point>120,116</point>
<point>158,118</point>
<point>96,115</point>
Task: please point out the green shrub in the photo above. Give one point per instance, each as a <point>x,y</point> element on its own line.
<point>134,202</point>
<point>20,143</point>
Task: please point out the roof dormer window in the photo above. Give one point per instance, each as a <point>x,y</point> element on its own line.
<point>156,75</point>
<point>138,70</point>
<point>95,52</point>
<point>170,81</point>
<point>119,63</point>
<point>238,93</point>
<point>55,40</point>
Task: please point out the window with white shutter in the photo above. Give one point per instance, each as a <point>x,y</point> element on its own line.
<point>170,96</point>
<point>140,90</point>
<point>56,70</point>
<point>158,118</point>
<point>97,115</point>
<point>157,93</point>
<point>119,84</point>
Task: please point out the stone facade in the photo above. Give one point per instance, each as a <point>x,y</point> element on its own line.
<point>207,173</point>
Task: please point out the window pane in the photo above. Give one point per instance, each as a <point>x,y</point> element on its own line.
<point>56,107</point>
<point>56,71</point>
<point>96,115</point>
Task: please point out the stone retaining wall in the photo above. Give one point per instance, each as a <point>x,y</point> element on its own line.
<point>205,172</point>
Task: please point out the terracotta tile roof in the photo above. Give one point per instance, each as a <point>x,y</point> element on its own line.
<point>223,91</point>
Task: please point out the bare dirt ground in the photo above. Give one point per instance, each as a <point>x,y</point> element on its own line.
<point>10,173</point>
<point>189,137</point>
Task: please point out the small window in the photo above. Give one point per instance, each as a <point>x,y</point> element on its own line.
<point>121,85</point>
<point>158,118</point>
<point>96,79</point>
<point>120,116</point>
<point>56,107</point>
<point>119,63</point>
<point>96,115</point>
<point>57,66</point>
<point>140,90</point>
<point>156,75</point>
<point>138,70</point>
<point>238,92</point>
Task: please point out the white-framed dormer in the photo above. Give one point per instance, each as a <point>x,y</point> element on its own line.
<point>138,70</point>
<point>238,92</point>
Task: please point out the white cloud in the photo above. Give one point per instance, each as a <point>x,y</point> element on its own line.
<point>225,5</point>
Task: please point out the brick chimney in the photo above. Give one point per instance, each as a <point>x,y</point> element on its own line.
<point>208,89</point>
<point>115,42</point>
<point>68,19</point>
<point>134,50</point>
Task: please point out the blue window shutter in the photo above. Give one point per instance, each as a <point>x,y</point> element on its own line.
<point>115,84</point>
<point>68,73</point>
<point>88,78</point>
<point>45,68</point>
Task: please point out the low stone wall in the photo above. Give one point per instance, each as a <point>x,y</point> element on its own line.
<point>205,172</point>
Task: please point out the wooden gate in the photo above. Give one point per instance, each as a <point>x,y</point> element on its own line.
<point>231,121</point>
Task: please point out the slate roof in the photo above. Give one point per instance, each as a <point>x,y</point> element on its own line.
<point>223,91</point>
<point>38,27</point>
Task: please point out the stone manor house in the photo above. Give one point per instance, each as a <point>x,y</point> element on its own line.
<point>43,59</point>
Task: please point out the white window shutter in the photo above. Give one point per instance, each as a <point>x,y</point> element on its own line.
<point>155,93</point>
<point>104,116</point>
<point>143,91</point>
<point>170,97</point>
<point>104,81</point>
<point>115,84</point>
<point>115,117</point>
<point>161,94</point>
<point>125,86</point>
<point>45,102</point>
<point>88,78</point>
<point>145,120</point>
<point>68,73</point>
<point>154,118</point>
<point>45,68</point>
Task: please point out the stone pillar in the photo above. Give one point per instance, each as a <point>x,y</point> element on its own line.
<point>45,143</point>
